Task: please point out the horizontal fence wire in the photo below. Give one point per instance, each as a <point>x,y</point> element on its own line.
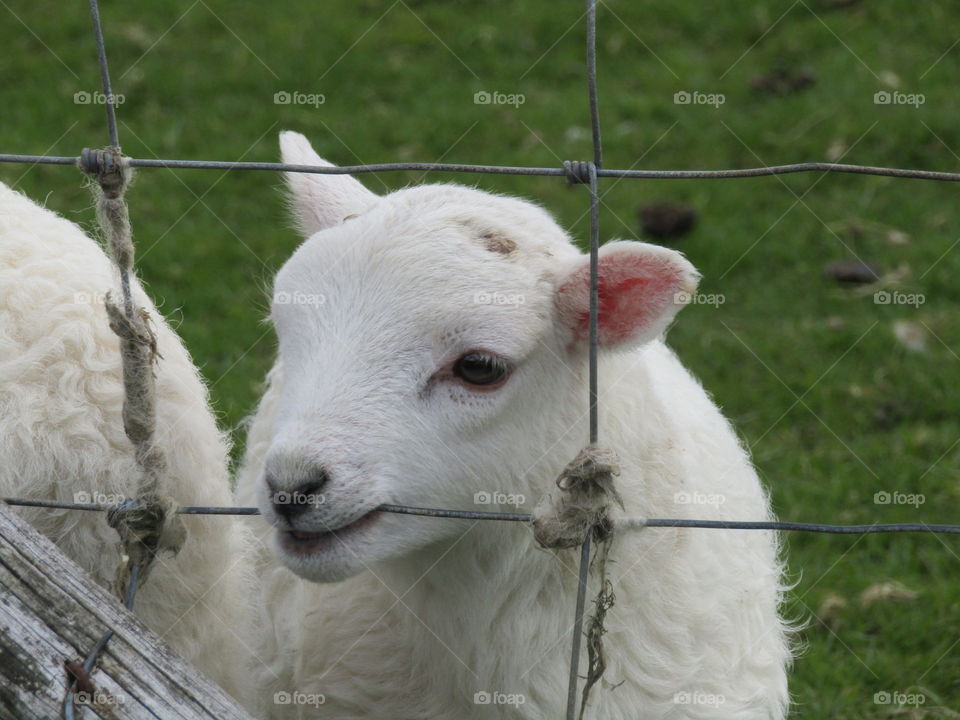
<point>764,171</point>
<point>624,524</point>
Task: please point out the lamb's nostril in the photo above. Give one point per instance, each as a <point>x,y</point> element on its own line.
<point>300,498</point>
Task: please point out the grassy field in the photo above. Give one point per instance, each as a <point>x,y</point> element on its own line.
<point>835,408</point>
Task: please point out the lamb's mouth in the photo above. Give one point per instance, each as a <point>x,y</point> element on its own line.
<point>302,542</point>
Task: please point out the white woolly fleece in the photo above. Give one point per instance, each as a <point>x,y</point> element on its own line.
<point>61,436</point>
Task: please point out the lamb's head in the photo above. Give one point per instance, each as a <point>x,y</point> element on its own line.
<point>434,346</point>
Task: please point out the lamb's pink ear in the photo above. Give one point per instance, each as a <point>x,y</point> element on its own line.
<point>641,288</point>
<point>319,201</point>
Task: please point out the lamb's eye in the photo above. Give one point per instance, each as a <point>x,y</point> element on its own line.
<point>481,369</point>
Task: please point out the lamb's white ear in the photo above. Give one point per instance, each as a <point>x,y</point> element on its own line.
<point>641,288</point>
<point>319,201</point>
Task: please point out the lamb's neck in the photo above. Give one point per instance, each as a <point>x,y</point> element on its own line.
<point>486,595</point>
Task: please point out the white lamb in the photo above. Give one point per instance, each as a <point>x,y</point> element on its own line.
<point>432,351</point>
<point>433,348</point>
<point>61,436</point>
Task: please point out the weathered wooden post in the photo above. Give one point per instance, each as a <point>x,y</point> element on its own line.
<point>51,611</point>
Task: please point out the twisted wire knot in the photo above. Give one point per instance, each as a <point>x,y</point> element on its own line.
<point>148,525</point>
<point>107,167</point>
<point>578,171</point>
<point>587,486</point>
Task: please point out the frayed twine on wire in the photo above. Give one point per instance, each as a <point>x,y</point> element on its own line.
<point>149,524</point>
<point>596,658</point>
<point>584,504</point>
<point>582,510</point>
<point>138,351</point>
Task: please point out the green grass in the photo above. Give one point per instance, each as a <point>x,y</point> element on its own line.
<point>873,416</point>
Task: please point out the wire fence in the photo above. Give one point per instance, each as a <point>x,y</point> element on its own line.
<point>98,162</point>
<point>626,524</point>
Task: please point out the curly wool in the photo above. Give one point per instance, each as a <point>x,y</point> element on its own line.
<point>62,436</point>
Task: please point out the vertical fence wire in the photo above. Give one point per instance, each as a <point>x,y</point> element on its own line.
<point>592,82</point>
<point>114,135</point>
<point>91,659</point>
<point>573,684</point>
<point>133,581</point>
<point>104,74</point>
<point>591,42</point>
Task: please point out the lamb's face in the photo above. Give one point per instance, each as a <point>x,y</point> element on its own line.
<point>425,341</point>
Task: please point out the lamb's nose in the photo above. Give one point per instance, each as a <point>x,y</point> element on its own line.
<point>289,503</point>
